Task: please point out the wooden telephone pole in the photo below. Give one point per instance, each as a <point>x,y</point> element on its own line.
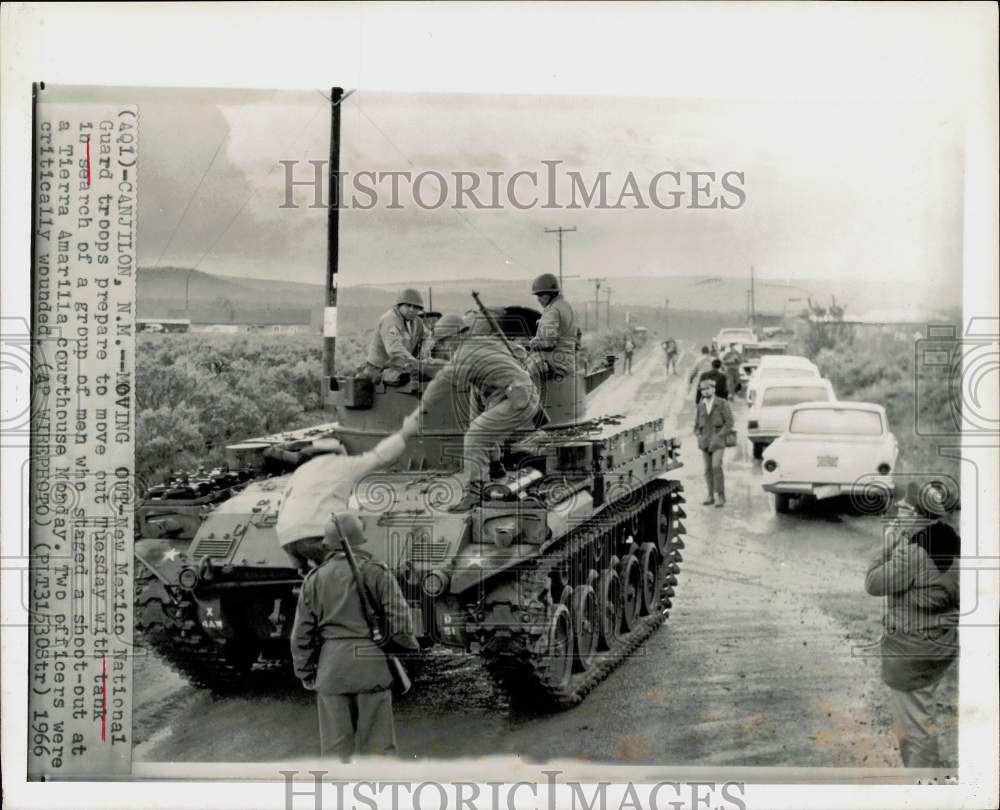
<point>560,231</point>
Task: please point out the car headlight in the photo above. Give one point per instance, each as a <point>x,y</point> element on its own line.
<point>752,424</point>
<point>884,469</point>
<point>770,465</point>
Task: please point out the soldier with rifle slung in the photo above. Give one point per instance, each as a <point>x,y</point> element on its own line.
<point>332,647</point>
<point>482,367</point>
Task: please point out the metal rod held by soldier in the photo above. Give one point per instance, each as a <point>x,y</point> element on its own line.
<point>494,325</point>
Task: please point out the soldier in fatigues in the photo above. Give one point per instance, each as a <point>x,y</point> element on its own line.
<point>481,368</point>
<point>395,347</point>
<point>334,655</point>
<point>555,337</point>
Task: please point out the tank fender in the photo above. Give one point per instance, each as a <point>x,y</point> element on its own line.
<point>163,556</point>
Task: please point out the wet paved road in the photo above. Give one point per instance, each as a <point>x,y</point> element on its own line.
<point>763,662</point>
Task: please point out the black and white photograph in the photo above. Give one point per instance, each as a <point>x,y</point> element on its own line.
<point>476,432</point>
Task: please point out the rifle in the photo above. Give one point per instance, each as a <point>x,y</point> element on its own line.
<point>494,326</point>
<point>399,677</point>
<point>542,418</point>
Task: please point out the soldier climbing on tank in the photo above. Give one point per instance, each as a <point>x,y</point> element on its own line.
<point>481,369</point>
<point>394,351</point>
<point>332,650</point>
<point>555,338</point>
<point>323,485</point>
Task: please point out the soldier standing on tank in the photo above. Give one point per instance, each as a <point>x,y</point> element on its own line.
<point>332,650</point>
<point>395,347</point>
<point>556,335</point>
<point>481,369</point>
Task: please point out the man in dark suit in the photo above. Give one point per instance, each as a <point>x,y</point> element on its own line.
<point>717,376</point>
<point>332,650</point>
<point>713,421</point>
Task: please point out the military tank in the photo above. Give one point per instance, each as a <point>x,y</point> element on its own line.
<point>564,565</point>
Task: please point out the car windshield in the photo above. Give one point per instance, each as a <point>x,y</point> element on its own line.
<point>785,371</point>
<point>794,394</point>
<point>735,336</point>
<point>830,421</point>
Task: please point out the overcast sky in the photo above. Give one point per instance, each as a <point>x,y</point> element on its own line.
<point>832,188</point>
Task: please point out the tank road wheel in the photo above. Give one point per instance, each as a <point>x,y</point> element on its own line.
<point>652,581</point>
<point>631,579</point>
<point>609,607</point>
<point>586,626</point>
<point>555,649</point>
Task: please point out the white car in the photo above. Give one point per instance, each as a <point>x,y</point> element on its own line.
<point>740,336</point>
<point>768,416</point>
<point>830,449</point>
<point>779,366</point>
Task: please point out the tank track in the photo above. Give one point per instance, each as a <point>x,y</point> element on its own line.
<point>166,620</point>
<point>517,661</point>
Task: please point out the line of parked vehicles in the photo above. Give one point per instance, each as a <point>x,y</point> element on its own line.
<point>809,442</point>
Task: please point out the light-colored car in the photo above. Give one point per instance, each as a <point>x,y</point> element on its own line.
<point>778,366</point>
<point>768,416</point>
<point>830,449</point>
<point>739,335</point>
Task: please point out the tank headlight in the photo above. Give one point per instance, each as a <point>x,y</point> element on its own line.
<point>187,578</point>
<point>884,469</point>
<point>435,583</point>
<point>501,531</point>
<point>770,465</point>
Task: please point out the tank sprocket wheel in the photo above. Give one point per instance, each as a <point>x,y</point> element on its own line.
<point>586,627</point>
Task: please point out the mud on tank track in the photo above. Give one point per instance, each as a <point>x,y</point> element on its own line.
<point>522,662</point>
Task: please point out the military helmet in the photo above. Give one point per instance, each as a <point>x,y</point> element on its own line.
<point>545,283</point>
<point>410,296</point>
<point>343,526</point>
<point>450,325</point>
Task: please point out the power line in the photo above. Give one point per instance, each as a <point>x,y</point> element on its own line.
<point>194,194</point>
<point>253,193</point>
<point>507,256</point>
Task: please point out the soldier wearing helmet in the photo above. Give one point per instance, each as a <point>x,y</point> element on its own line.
<point>332,650</point>
<point>480,370</point>
<point>395,347</point>
<point>555,335</point>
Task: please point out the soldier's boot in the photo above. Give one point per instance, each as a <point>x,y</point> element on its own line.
<point>473,497</point>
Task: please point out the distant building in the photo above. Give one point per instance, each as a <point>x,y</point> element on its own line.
<point>162,325</point>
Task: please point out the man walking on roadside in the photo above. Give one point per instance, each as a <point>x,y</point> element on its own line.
<point>713,422</point>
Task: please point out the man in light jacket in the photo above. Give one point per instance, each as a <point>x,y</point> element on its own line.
<point>713,421</point>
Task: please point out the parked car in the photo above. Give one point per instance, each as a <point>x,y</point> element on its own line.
<point>768,416</point>
<point>778,366</point>
<point>754,354</point>
<point>830,449</point>
<point>738,335</point>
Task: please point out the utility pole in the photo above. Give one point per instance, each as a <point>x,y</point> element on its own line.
<point>597,301</point>
<point>560,231</point>
<point>608,290</point>
<point>753,300</point>
<point>666,316</point>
